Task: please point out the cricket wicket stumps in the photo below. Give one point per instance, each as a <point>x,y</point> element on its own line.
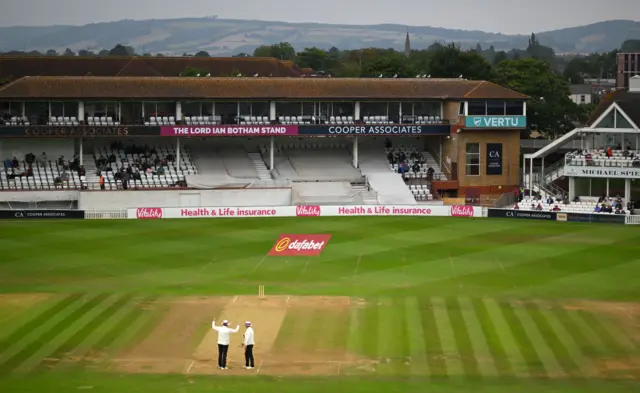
<point>260,291</point>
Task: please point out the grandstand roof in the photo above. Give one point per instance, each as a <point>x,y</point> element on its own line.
<point>21,66</point>
<point>628,102</point>
<point>251,88</point>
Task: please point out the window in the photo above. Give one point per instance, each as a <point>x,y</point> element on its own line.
<point>514,108</point>
<point>495,108</point>
<point>583,98</point>
<point>472,164</point>
<point>477,108</point>
<point>461,109</point>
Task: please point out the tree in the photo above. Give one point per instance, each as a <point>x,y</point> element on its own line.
<point>281,51</point>
<point>389,65</point>
<point>69,52</point>
<point>121,50</point>
<point>202,53</point>
<point>499,57</point>
<point>52,52</point>
<point>85,53</point>
<point>450,62</point>
<point>193,72</point>
<point>537,51</point>
<point>316,59</point>
<point>104,52</point>
<point>550,111</point>
<point>631,46</point>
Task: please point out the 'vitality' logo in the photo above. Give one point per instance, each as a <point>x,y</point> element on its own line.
<point>299,245</point>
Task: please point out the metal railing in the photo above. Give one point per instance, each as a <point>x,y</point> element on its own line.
<point>506,199</point>
<point>632,220</point>
<point>105,214</point>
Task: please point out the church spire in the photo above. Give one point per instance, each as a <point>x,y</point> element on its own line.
<point>407,44</point>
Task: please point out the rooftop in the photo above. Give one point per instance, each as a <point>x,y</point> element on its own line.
<point>96,87</point>
<point>629,102</point>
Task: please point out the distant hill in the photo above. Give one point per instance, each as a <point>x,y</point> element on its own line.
<point>230,36</point>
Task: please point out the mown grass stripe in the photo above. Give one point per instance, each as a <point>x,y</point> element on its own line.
<point>354,341</point>
<point>460,331</point>
<point>85,350</point>
<point>484,357</point>
<point>537,338</point>
<point>592,345</point>
<point>100,348</point>
<point>36,362</point>
<point>152,313</point>
<point>370,333</point>
<point>497,334</point>
<point>315,332</point>
<point>535,366</point>
<point>432,341</point>
<point>570,341</point>
<point>416,338</point>
<point>612,343</point>
<point>75,340</point>
<point>38,321</point>
<point>617,331</point>
<point>402,345</point>
<point>386,343</point>
<point>455,366</point>
<point>51,333</point>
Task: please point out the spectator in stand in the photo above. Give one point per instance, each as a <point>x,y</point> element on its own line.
<point>29,172</point>
<point>539,207</point>
<point>61,160</point>
<point>82,171</point>
<point>101,182</point>
<point>30,158</point>
<point>43,158</point>
<point>609,152</point>
<point>549,200</point>
<point>516,207</point>
<point>556,208</point>
<point>15,163</point>
<point>598,209</point>
<point>618,211</point>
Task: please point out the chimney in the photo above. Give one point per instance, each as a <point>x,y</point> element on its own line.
<point>634,84</point>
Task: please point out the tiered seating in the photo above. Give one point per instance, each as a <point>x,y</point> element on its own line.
<point>421,192</point>
<point>202,120</point>
<point>422,173</point>
<point>326,161</point>
<point>102,121</point>
<point>598,157</point>
<point>126,159</point>
<point>58,121</point>
<point>253,120</point>
<point>294,120</point>
<point>160,121</point>
<point>341,120</point>
<point>16,121</point>
<point>44,175</point>
<point>422,119</point>
<point>376,120</point>
<point>585,205</point>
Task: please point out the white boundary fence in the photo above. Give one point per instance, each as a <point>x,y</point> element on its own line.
<point>632,220</point>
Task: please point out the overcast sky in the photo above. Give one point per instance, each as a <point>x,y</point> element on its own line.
<point>504,16</point>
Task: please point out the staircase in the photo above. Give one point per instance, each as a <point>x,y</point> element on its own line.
<point>368,197</point>
<point>261,167</point>
<point>431,162</point>
<point>89,164</point>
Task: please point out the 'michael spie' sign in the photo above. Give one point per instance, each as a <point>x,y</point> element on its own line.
<point>299,245</point>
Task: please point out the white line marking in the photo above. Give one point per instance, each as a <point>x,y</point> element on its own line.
<point>355,271</point>
<point>234,299</point>
<point>260,365</point>
<point>259,263</point>
<point>339,365</point>
<point>191,365</point>
<point>304,269</point>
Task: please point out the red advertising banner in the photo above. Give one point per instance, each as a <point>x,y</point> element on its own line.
<point>299,245</point>
<point>228,130</point>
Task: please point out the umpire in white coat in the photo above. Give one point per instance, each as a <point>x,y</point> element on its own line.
<point>224,333</point>
<point>248,343</point>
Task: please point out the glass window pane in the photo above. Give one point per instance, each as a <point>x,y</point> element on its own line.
<point>260,108</point>
<point>57,109</point>
<point>191,108</point>
<point>245,109</point>
<point>515,108</point>
<point>473,148</point>
<point>344,108</point>
<point>495,108</point>
<point>373,108</point>
<point>477,108</point>
<point>288,108</point>
<point>473,170</point>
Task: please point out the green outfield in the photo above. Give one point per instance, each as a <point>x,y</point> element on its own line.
<point>391,304</point>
